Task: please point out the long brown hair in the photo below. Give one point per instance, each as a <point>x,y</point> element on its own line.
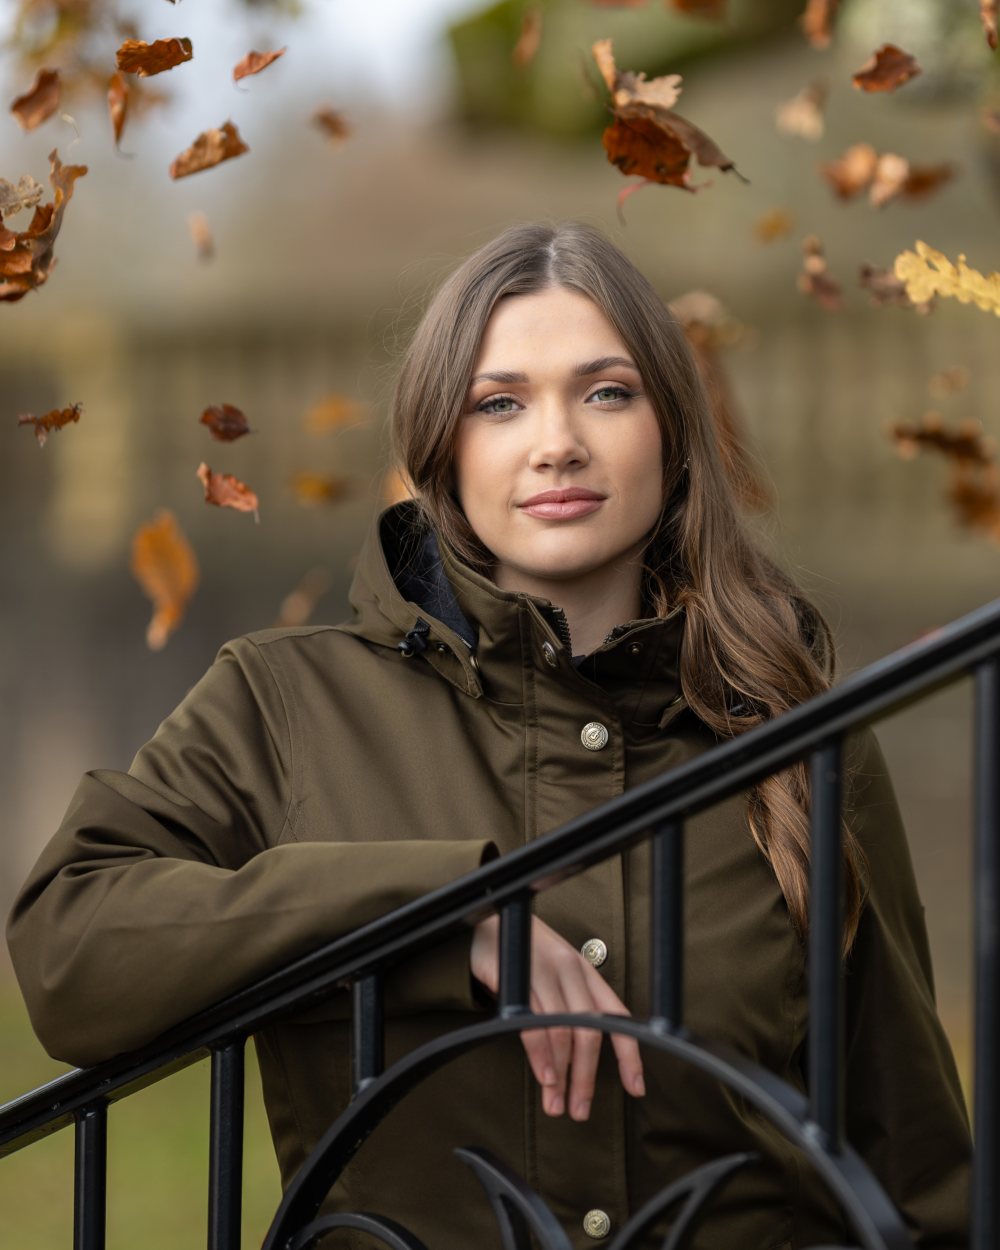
<point>754,645</point>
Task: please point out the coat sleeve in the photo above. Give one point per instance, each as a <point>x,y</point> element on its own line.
<point>168,887</point>
<point>906,1113</point>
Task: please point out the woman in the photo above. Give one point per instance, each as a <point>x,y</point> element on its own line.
<point>570,606</point>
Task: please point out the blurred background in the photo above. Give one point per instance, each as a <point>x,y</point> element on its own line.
<point>326,248</point>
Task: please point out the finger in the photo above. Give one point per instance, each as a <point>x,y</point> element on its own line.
<point>626,1048</point>
<point>538,1049</point>
<point>586,1044</point>
<point>547,1000</point>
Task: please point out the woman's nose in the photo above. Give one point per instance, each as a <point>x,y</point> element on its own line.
<point>556,439</point>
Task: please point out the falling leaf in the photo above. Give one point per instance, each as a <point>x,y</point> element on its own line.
<point>26,194</point>
<point>700,8</point>
<point>775,224</point>
<point>853,171</point>
<point>167,570</point>
<point>227,491</point>
<point>202,234</point>
<point>254,62</point>
<point>887,289</point>
<point>396,487</point>
<point>318,488</point>
<point>922,179</point>
<point>803,114</point>
<point>335,412</point>
<point>332,123</point>
<point>54,420</point>
<point>209,149</point>
<point>117,103</point>
<point>529,39</point>
<point>145,59</point>
<point>948,381</point>
<point>26,258</point>
<point>974,494</point>
<point>965,444</point>
<point>888,68</point>
<point>927,272</point>
<point>887,176</point>
<point>225,421</point>
<point>988,15</point>
<point>298,606</point>
<point>814,280</point>
<point>817,22</point>
<point>39,102</point>
<point>646,137</point>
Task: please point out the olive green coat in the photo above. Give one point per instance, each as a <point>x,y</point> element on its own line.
<point>315,778</point>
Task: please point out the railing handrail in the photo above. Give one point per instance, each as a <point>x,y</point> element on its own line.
<point>876,690</point>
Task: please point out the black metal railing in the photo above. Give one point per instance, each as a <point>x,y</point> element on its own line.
<point>656,810</point>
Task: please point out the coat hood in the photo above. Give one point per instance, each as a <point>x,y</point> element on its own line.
<point>412,594</point>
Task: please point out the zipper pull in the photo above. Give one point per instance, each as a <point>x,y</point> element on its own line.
<point>415,639</point>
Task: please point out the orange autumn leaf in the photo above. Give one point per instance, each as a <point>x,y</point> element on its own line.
<point>135,56</point>
<point>211,148</point>
<point>117,103</point>
<point>39,102</point>
<point>54,420</point>
<point>529,38</point>
<point>298,606</point>
<point>647,137</point>
<point>334,412</point>
<point>974,494</point>
<point>887,289</point>
<point>803,114</point>
<point>988,17</point>
<point>886,176</point>
<point>396,487</point>
<point>167,570</point>
<point>700,8</point>
<point>888,68</point>
<point>814,280</point>
<point>202,234</point>
<point>26,258</point>
<point>226,491</point>
<point>965,444</point>
<point>254,62</point>
<point>775,224</point>
<point>851,172</point>
<point>817,22</point>
<point>226,422</point>
<point>319,488</point>
<point>333,124</point>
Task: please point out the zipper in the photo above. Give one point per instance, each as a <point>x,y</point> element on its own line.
<point>563,627</point>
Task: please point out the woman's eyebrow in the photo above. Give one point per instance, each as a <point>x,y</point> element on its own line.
<point>579,371</point>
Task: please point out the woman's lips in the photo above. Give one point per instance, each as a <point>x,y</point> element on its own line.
<point>562,509</point>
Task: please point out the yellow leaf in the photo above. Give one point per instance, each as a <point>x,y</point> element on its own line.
<point>927,272</point>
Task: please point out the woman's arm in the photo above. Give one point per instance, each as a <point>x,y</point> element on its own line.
<point>166,888</point>
<point>906,1113</point>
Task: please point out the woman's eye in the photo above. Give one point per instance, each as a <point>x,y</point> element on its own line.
<point>489,405</point>
<point>616,393</point>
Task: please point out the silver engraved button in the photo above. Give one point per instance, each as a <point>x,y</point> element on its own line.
<point>594,951</point>
<point>594,736</point>
<point>597,1224</point>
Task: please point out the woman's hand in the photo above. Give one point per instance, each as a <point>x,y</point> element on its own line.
<point>561,981</point>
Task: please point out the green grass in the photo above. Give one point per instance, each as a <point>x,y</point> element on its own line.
<point>157,1157</point>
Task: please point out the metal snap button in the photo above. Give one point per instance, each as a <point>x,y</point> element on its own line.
<point>549,652</point>
<point>594,951</point>
<point>441,647</point>
<point>634,648</point>
<point>597,1224</point>
<point>474,662</point>
<point>594,736</point>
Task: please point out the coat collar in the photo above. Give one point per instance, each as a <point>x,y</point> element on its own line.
<point>415,596</point>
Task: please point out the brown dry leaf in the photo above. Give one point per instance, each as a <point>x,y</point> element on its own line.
<point>887,176</point>
<point>922,179</point>
<point>254,62</point>
<point>965,444</point>
<point>145,59</point>
<point>117,103</point>
<point>700,8</point>
<point>26,258</point>
<point>814,280</point>
<point>817,22</point>
<point>988,15</point>
<point>39,102</point>
<point>887,68</point>
<point>948,381</point>
<point>775,224</point>
<point>529,39</point>
<point>211,148</point>
<point>396,487</point>
<point>227,491</point>
<point>167,570</point>
<point>298,606</point>
<point>318,488</point>
<point>927,272</point>
<point>26,194</point>
<point>201,232</point>
<point>335,412</point>
<point>853,171</point>
<point>887,289</point>
<point>54,420</point>
<point>646,137</point>
<point>974,494</point>
<point>226,422</point>
<point>333,124</point>
<point>803,114</point>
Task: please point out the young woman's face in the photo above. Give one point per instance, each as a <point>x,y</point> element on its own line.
<point>568,414</point>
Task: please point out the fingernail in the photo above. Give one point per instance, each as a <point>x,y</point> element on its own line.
<point>581,1109</point>
<point>549,1076</point>
<point>556,1105</point>
<point>638,1085</point>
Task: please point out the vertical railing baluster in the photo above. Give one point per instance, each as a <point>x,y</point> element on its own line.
<point>367,1031</point>
<point>225,1151</point>
<point>515,957</point>
<point>667,926</point>
<point>90,1187</point>
<point>986,928</point>
<point>826,982</point>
